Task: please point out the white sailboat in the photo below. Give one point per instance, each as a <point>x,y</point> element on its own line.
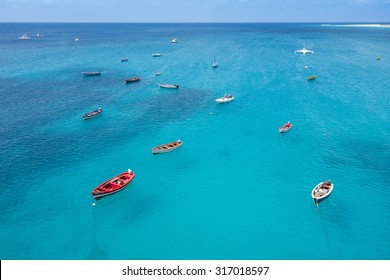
<point>215,63</point>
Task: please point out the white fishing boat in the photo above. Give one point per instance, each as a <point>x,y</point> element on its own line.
<point>304,51</point>
<point>321,191</point>
<point>226,98</point>
<point>171,86</point>
<point>156,54</point>
<point>174,41</point>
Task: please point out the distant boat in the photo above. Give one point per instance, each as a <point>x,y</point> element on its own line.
<point>24,37</point>
<point>378,58</point>
<point>321,191</point>
<point>77,39</point>
<point>91,73</point>
<point>167,147</point>
<point>124,59</point>
<point>157,74</point>
<point>174,41</point>
<point>286,127</point>
<point>172,86</point>
<point>156,54</point>
<point>92,114</point>
<point>215,63</point>
<point>113,185</point>
<point>39,35</point>
<point>132,80</point>
<point>304,51</point>
<point>312,77</point>
<point>226,98</point>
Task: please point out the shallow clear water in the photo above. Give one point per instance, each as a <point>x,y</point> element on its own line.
<point>237,189</point>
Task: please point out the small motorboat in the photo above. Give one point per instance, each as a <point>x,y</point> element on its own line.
<point>171,86</point>
<point>157,74</point>
<point>174,41</point>
<point>226,98</point>
<point>304,51</point>
<point>92,114</point>
<point>286,127</point>
<point>378,58</point>
<point>156,54</point>
<point>321,191</point>
<point>24,37</point>
<point>311,78</point>
<point>114,184</point>
<point>167,147</point>
<point>132,80</point>
<point>91,73</point>
<point>124,59</point>
<point>76,40</point>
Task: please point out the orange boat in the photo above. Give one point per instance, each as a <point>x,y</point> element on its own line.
<point>114,184</point>
<point>285,128</point>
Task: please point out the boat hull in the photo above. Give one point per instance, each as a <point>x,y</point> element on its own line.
<point>224,100</point>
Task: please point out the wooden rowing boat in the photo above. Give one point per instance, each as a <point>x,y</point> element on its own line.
<point>167,147</point>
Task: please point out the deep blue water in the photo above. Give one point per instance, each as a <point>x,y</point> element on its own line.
<point>237,189</point>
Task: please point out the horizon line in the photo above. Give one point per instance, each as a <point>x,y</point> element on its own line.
<point>206,22</point>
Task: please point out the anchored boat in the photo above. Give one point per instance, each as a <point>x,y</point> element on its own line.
<point>321,191</point>
<point>92,114</point>
<point>114,185</point>
<point>167,147</point>
<point>286,127</point>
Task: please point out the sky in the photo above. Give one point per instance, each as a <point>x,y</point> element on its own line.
<point>363,11</point>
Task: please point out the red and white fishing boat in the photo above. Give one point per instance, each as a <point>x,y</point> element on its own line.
<point>286,127</point>
<point>114,184</point>
<point>167,147</point>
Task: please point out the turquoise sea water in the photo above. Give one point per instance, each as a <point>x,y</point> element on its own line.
<point>237,189</point>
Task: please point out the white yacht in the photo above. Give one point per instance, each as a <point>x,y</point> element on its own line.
<point>174,40</point>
